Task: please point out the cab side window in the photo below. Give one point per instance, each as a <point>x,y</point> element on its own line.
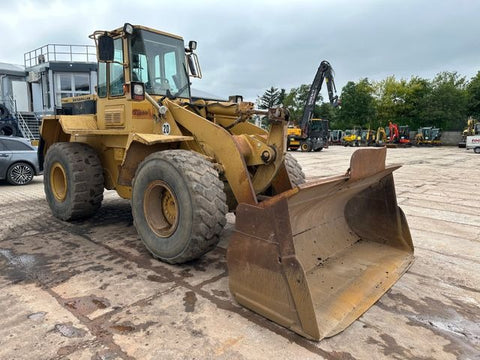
<point>102,80</point>
<point>117,78</point>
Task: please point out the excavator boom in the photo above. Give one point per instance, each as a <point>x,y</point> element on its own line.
<point>324,73</point>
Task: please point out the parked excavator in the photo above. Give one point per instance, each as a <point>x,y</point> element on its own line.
<point>352,137</point>
<point>314,132</point>
<point>336,137</point>
<point>473,128</point>
<point>397,136</point>
<point>404,133</point>
<point>368,137</point>
<point>310,256</point>
<point>428,136</point>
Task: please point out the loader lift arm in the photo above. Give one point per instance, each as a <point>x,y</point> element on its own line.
<point>324,73</point>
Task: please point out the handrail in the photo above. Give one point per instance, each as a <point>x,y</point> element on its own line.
<point>24,127</point>
<point>60,52</point>
<point>10,103</point>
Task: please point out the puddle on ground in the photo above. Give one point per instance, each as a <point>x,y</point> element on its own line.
<point>86,305</point>
<point>189,301</point>
<point>38,316</point>
<point>70,331</point>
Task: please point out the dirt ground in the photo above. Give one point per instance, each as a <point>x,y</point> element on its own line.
<point>89,289</point>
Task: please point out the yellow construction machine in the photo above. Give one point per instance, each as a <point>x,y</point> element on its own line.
<point>428,136</point>
<point>473,128</point>
<point>352,137</point>
<point>368,137</point>
<point>310,256</point>
<point>293,133</point>
<point>381,138</point>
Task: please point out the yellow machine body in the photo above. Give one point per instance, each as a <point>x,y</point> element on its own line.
<point>312,257</point>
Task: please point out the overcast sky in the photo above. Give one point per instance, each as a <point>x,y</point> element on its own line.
<point>247,46</point>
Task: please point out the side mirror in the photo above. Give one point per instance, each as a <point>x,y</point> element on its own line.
<point>194,66</point>
<point>106,48</point>
<point>191,65</point>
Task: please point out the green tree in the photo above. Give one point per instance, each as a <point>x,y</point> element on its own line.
<point>295,102</point>
<point>391,103</point>
<point>446,105</point>
<point>270,98</point>
<point>281,96</point>
<point>401,102</point>
<point>416,98</point>
<point>358,105</point>
<point>473,97</point>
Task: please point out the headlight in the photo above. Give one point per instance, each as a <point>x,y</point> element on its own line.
<point>138,89</point>
<point>128,28</point>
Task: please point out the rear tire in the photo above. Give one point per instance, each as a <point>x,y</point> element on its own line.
<point>178,205</point>
<point>73,180</point>
<point>294,170</point>
<point>477,150</point>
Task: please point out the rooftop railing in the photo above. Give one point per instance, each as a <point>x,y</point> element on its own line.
<point>60,53</point>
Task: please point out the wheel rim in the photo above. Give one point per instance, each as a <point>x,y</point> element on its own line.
<point>21,174</point>
<point>160,208</point>
<point>58,181</point>
<point>304,147</point>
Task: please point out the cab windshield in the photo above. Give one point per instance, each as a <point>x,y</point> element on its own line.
<point>159,62</point>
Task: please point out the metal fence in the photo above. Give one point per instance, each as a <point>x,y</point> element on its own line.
<point>60,52</point>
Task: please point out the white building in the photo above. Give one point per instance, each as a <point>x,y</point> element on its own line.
<point>35,89</point>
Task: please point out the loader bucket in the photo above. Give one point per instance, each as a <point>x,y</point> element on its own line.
<point>315,258</point>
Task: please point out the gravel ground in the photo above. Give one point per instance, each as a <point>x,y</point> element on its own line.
<point>89,289</point>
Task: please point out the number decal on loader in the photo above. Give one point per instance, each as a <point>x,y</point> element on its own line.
<point>166,128</point>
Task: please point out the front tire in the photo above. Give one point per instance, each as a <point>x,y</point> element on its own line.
<point>294,170</point>
<point>305,147</point>
<point>73,180</point>
<point>20,173</point>
<point>178,205</point>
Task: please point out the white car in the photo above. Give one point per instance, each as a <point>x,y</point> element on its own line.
<point>473,142</point>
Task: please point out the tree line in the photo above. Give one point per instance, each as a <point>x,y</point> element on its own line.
<point>446,101</point>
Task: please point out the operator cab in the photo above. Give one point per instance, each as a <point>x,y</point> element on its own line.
<point>136,59</point>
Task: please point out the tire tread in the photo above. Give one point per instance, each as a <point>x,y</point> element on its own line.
<point>206,190</point>
<point>86,179</point>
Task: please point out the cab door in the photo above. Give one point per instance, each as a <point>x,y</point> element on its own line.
<point>111,103</point>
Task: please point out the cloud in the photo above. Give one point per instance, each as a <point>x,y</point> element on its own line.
<point>246,48</point>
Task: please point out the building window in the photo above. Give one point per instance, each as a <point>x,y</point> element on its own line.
<point>71,84</point>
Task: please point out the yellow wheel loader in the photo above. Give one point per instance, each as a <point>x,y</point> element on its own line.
<point>309,256</point>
